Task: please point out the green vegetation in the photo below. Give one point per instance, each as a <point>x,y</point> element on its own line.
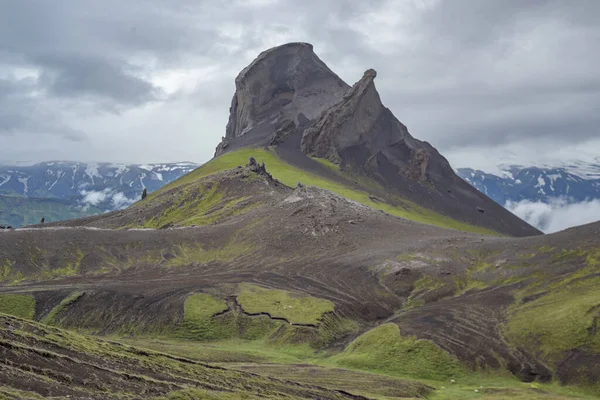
<point>66,302</point>
<point>46,359</point>
<point>190,255</point>
<point>291,175</point>
<point>384,349</point>
<point>198,322</point>
<point>195,394</point>
<point>296,309</point>
<point>200,204</point>
<point>38,259</point>
<point>300,363</point>
<point>558,321</point>
<point>6,269</point>
<point>71,267</point>
<point>19,305</point>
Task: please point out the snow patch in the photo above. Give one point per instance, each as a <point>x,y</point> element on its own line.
<point>24,182</point>
<point>554,177</point>
<point>541,182</point>
<point>60,175</point>
<point>6,179</point>
<point>91,170</point>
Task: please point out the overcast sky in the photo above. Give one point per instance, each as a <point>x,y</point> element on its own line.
<point>152,80</point>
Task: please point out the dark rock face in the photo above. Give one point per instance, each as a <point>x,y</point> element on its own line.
<point>287,97</point>
<point>361,124</point>
<point>285,85</point>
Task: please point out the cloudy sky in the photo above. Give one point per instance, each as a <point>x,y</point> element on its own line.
<point>152,80</point>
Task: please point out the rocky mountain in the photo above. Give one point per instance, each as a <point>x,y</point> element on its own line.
<point>290,99</point>
<point>63,190</point>
<point>516,183</point>
<point>323,253</point>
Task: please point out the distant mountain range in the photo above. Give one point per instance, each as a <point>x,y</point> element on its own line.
<point>577,182</point>
<point>551,198</point>
<point>60,190</point>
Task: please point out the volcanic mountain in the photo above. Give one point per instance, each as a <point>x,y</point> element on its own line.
<point>288,98</point>
<point>313,257</point>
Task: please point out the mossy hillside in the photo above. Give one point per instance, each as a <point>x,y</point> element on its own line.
<point>561,320</point>
<point>8,274</point>
<point>385,350</point>
<point>290,176</point>
<point>198,322</point>
<point>195,394</point>
<point>198,204</point>
<point>38,262</point>
<point>300,363</point>
<point>295,308</point>
<point>190,254</point>
<point>51,318</point>
<point>82,366</point>
<point>207,318</point>
<point>19,305</point>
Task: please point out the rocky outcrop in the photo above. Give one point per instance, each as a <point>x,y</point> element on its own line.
<point>284,85</point>
<point>360,128</point>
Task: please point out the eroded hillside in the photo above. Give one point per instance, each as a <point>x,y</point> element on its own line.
<point>323,235</point>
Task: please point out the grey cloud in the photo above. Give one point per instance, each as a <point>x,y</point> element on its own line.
<point>22,115</point>
<point>458,73</point>
<point>70,75</point>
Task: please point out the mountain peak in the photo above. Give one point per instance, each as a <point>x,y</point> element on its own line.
<point>302,51</point>
<point>285,86</point>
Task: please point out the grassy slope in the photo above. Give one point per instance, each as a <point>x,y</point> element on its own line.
<point>19,305</point>
<point>564,313</point>
<point>42,360</point>
<point>290,175</point>
<point>350,371</point>
<point>19,211</point>
<point>385,350</point>
<point>283,304</point>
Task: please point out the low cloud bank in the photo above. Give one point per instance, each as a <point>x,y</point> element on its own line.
<point>116,200</point>
<point>557,214</point>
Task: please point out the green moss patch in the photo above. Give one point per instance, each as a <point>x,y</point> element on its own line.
<point>385,350</point>
<point>558,321</point>
<point>189,255</point>
<point>51,317</point>
<point>198,322</point>
<point>199,204</point>
<point>19,305</point>
<point>296,309</point>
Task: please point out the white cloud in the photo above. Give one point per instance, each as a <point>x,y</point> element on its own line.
<point>94,197</point>
<point>557,214</point>
<point>119,200</point>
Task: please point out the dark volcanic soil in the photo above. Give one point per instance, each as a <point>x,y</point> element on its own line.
<point>369,264</point>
